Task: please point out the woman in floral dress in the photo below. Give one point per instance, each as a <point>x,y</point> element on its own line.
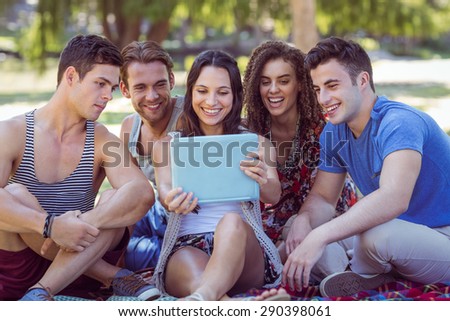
<point>280,104</point>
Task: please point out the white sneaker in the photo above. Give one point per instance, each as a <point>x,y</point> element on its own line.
<point>348,283</point>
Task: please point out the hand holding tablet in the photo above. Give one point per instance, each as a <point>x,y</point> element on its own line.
<point>210,167</point>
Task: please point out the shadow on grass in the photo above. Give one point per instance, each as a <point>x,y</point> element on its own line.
<point>425,90</point>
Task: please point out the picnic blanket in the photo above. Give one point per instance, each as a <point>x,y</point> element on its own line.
<point>400,290</point>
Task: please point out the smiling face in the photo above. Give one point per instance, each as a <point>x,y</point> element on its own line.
<point>149,86</point>
<point>212,99</point>
<point>338,96</point>
<point>91,94</point>
<point>279,88</point>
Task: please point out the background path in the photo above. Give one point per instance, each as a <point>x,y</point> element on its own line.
<point>386,71</point>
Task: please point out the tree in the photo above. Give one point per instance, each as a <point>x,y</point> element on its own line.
<point>123,20</point>
<point>204,21</point>
<point>304,30</point>
<point>418,19</point>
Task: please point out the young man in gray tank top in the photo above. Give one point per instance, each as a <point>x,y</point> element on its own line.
<point>147,79</point>
<point>52,163</point>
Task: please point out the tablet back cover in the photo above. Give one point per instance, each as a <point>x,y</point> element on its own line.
<point>208,166</point>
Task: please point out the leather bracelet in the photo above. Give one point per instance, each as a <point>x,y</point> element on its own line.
<point>48,226</point>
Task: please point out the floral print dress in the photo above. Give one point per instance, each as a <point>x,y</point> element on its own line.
<point>297,177</point>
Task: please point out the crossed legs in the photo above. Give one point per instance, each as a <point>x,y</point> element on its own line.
<point>68,266</point>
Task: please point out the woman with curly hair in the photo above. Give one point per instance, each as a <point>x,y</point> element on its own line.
<point>280,104</point>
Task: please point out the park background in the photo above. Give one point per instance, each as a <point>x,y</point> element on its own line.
<point>407,40</point>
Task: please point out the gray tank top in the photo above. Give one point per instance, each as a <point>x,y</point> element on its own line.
<point>145,161</point>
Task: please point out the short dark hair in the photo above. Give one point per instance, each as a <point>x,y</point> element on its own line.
<point>189,120</point>
<point>143,52</point>
<point>348,53</point>
<point>85,51</point>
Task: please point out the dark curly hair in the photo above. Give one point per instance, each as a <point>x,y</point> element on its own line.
<point>189,120</point>
<point>258,117</point>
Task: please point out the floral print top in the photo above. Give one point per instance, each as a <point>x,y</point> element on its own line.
<point>297,177</point>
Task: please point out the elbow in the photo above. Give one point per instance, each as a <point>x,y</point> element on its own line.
<point>401,206</point>
<point>273,195</point>
<point>276,196</point>
<point>398,204</point>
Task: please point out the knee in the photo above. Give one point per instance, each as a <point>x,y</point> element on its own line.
<point>372,240</point>
<point>233,223</point>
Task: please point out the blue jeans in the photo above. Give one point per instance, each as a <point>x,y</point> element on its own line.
<point>145,244</point>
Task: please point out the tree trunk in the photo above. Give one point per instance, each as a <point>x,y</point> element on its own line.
<point>304,29</point>
<point>159,31</point>
<point>131,32</point>
<point>104,18</point>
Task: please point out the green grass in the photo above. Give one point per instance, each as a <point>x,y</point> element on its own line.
<point>105,185</point>
<point>28,98</point>
<point>112,118</point>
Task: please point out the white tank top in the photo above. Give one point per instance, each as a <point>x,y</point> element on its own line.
<point>207,218</point>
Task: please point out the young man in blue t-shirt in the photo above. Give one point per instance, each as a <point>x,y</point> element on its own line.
<point>399,159</point>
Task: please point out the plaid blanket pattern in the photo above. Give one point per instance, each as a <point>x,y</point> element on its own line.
<point>400,290</point>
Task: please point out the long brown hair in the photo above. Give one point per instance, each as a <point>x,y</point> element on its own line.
<point>189,121</point>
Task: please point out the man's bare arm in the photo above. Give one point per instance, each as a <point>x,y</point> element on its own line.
<point>15,216</point>
<point>133,193</point>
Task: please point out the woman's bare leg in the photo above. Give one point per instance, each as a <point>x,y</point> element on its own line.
<point>184,271</point>
<point>237,262</point>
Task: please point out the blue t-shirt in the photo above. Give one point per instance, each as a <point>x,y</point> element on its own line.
<point>394,126</point>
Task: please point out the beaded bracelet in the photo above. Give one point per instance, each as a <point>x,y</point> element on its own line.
<point>48,225</point>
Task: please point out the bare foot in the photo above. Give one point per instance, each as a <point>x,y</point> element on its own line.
<point>273,295</point>
<point>268,295</point>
